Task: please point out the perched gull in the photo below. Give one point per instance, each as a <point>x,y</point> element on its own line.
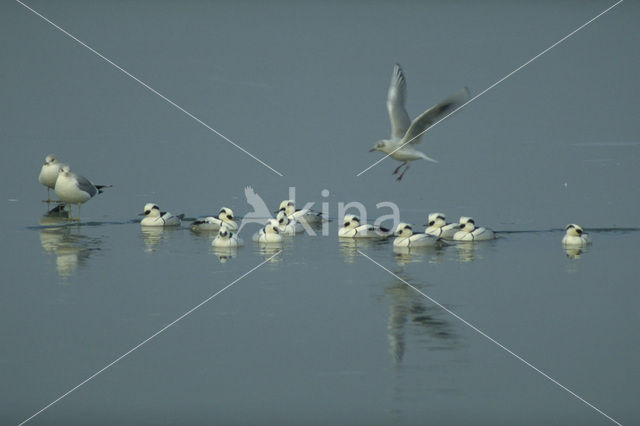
<point>309,216</point>
<point>268,234</point>
<point>438,227</point>
<point>75,189</point>
<point>49,173</point>
<point>351,228</point>
<point>286,225</point>
<point>210,223</point>
<point>154,217</point>
<point>575,237</point>
<point>405,134</point>
<point>469,232</point>
<point>406,237</point>
<point>226,238</point>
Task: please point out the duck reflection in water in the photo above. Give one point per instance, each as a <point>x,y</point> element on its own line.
<point>575,252</point>
<point>405,255</point>
<point>350,246</point>
<point>224,253</point>
<point>271,251</point>
<point>154,235</point>
<point>466,252</point>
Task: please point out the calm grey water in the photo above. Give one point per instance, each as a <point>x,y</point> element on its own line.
<point>320,334</point>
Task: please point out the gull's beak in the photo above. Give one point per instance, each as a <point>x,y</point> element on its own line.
<point>141,214</point>
<point>372,149</point>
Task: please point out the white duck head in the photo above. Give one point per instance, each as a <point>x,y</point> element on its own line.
<point>151,210</point>
<point>436,220</point>
<point>467,224</point>
<point>287,206</point>
<point>574,230</point>
<point>351,221</point>
<point>226,214</point>
<point>282,219</point>
<point>271,227</point>
<point>224,233</point>
<point>403,230</point>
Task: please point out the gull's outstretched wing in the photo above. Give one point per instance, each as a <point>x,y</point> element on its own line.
<point>396,98</point>
<point>433,114</point>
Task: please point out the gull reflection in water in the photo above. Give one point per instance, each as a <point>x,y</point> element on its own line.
<point>411,313</point>
<point>65,241</point>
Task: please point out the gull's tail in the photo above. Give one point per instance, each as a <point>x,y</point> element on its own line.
<point>99,187</point>
<point>423,155</point>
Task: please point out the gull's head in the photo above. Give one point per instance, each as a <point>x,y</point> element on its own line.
<point>436,220</point>
<point>282,218</point>
<point>50,159</point>
<point>65,170</point>
<point>466,224</point>
<point>574,230</point>
<point>381,145</point>
<point>224,232</point>
<point>226,214</point>
<point>287,206</point>
<point>351,221</point>
<point>403,230</point>
<point>151,210</point>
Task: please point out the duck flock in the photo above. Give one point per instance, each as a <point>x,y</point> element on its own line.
<point>405,135</point>
<point>289,221</point>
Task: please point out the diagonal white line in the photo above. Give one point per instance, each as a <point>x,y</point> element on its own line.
<point>151,89</point>
<point>496,83</point>
<point>500,345</point>
<point>136,347</point>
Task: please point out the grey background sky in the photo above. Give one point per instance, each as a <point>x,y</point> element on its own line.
<point>303,87</point>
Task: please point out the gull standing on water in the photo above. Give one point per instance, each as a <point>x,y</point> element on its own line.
<point>405,134</point>
<point>75,189</point>
<point>49,174</point>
